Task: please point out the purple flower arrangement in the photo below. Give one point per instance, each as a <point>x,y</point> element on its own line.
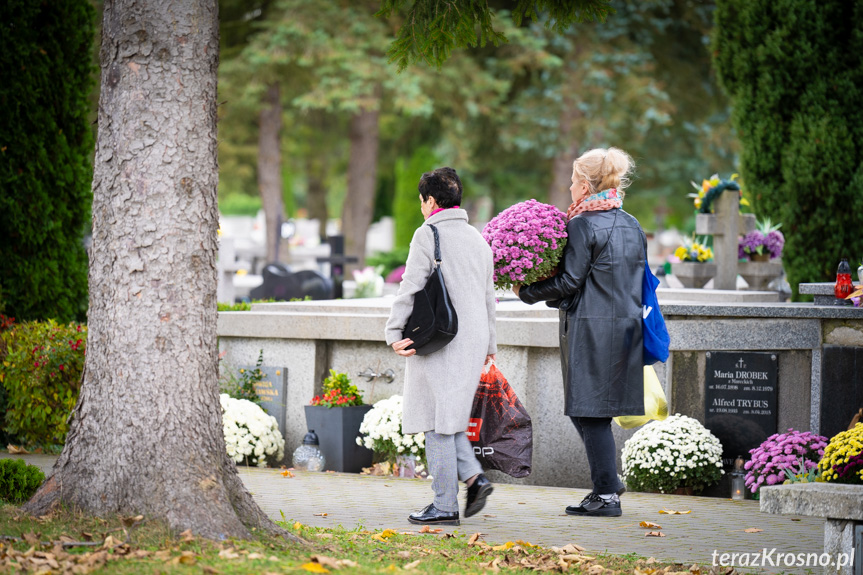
<point>527,242</point>
<point>792,450</point>
<point>767,239</point>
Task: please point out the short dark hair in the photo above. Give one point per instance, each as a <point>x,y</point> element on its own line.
<point>444,185</point>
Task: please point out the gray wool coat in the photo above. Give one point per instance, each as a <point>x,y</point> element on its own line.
<point>439,388</point>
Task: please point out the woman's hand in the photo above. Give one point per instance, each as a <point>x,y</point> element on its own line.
<point>399,348</point>
<point>490,358</point>
<point>515,289</point>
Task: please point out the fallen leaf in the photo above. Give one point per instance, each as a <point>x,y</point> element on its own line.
<point>32,539</point>
<point>445,554</point>
<point>654,534</point>
<point>447,536</point>
<point>256,556</point>
<point>130,521</point>
<point>186,536</point>
<point>186,558</point>
<point>651,560</point>
<point>326,561</point>
<point>404,554</point>
<point>753,530</point>
<point>15,450</point>
<point>287,473</point>
<point>319,514</point>
<point>595,570</point>
<point>383,535</point>
<point>86,536</point>
<point>525,543</point>
<point>298,525</point>
<point>673,512</point>
<point>228,553</point>
<point>427,529</point>
<point>649,525</point>
<point>411,565</point>
<point>209,570</point>
<point>314,568</point>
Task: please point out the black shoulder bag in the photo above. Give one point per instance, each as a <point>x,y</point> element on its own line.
<point>433,322</point>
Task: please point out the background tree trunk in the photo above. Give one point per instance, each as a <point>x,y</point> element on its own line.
<point>561,170</point>
<point>270,168</point>
<point>146,435</point>
<point>316,193</point>
<point>362,177</point>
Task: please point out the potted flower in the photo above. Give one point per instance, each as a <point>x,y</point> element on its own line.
<point>335,416</point>
<point>251,436</point>
<point>795,451</point>
<point>381,431</point>
<point>761,253</point>
<point>694,266</point>
<point>843,457</point>
<point>527,242</point>
<point>676,455</point>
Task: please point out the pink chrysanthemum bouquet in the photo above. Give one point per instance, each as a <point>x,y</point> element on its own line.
<point>527,241</point>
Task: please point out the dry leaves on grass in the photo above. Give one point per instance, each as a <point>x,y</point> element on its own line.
<point>332,562</point>
<point>427,529</point>
<point>383,535</point>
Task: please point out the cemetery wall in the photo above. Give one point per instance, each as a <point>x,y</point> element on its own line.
<point>309,338</point>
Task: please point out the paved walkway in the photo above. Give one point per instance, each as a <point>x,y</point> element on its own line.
<point>535,514</point>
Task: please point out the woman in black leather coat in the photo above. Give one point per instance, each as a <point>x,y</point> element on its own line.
<point>598,291</point>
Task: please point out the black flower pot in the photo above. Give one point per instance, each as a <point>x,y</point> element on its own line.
<point>337,429</point>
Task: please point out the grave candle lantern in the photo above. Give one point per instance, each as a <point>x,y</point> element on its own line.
<point>843,287</point>
<point>738,480</point>
<point>308,456</point>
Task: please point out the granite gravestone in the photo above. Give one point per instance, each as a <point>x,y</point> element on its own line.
<point>740,406</point>
<point>272,389</point>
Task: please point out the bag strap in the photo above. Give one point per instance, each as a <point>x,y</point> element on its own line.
<point>437,258</point>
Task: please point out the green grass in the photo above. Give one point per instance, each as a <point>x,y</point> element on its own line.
<point>30,544</point>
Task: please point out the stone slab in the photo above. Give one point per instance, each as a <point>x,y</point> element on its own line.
<point>828,500</point>
<point>742,334</point>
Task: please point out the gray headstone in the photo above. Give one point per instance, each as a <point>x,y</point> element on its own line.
<point>273,389</point>
<point>740,402</point>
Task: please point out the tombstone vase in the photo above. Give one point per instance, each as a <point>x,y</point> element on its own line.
<point>759,273</point>
<point>337,429</point>
<point>693,274</point>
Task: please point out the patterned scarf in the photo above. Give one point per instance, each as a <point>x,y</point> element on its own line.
<point>599,202</point>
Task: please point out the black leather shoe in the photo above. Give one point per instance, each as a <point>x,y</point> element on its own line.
<point>431,515</point>
<point>595,506</point>
<point>476,494</point>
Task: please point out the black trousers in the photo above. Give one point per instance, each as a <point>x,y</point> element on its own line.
<point>598,441</point>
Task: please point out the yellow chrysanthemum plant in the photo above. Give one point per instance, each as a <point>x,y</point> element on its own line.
<point>709,189</point>
<point>693,250</point>
<point>843,457</point>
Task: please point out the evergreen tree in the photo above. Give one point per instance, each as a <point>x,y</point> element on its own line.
<point>45,146</point>
<point>794,72</point>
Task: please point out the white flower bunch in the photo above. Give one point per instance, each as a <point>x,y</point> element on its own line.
<point>677,452</point>
<point>251,436</point>
<point>382,431</point>
<point>369,281</point>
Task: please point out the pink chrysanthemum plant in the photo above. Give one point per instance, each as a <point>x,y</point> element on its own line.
<point>527,241</point>
<point>796,451</point>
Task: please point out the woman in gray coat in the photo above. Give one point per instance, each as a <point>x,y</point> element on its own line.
<point>598,291</point>
<point>439,387</point>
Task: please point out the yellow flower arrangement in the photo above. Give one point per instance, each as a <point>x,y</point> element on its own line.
<point>693,251</point>
<point>843,457</point>
<point>703,196</point>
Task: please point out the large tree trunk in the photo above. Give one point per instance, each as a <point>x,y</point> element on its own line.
<point>146,435</point>
<point>270,168</point>
<point>316,193</point>
<point>362,176</point>
<point>561,170</point>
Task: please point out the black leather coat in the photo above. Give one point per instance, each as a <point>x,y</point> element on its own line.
<point>600,314</point>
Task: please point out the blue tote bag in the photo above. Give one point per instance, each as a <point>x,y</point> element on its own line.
<point>656,340</point>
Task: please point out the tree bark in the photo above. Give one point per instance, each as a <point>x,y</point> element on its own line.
<point>146,434</point>
<point>270,168</point>
<point>362,177</point>
<point>561,170</point>
<point>316,193</point>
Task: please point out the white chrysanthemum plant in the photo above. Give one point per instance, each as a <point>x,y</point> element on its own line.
<point>381,431</point>
<point>251,436</point>
<point>677,453</point>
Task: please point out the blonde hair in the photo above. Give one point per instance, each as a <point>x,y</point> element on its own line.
<point>604,168</point>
